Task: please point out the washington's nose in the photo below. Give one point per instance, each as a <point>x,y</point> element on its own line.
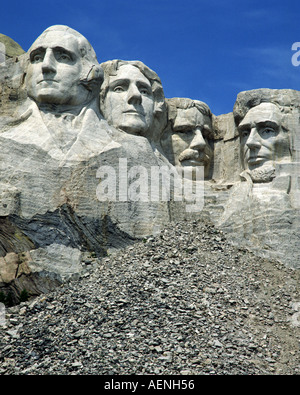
<point>134,95</point>
<point>253,140</point>
<point>198,141</point>
<point>48,64</point>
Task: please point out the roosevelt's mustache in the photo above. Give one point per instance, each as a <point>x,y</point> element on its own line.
<point>191,154</point>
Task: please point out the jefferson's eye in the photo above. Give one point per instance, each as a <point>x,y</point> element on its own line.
<point>119,89</point>
<point>268,132</point>
<point>144,91</point>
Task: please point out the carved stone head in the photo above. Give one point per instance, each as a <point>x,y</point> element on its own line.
<point>187,141</point>
<point>132,97</point>
<point>62,68</point>
<point>265,138</point>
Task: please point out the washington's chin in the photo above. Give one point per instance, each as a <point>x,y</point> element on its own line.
<point>50,99</point>
<point>49,95</point>
<point>136,131</point>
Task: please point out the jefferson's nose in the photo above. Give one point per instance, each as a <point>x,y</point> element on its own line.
<point>134,95</point>
<point>198,141</point>
<point>49,61</point>
<point>253,140</point>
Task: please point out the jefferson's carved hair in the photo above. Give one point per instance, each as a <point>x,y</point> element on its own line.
<point>111,68</point>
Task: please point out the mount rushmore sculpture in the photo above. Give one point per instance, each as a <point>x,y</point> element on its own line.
<point>93,156</point>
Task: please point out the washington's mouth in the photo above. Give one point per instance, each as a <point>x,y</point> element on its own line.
<point>133,112</point>
<point>46,80</point>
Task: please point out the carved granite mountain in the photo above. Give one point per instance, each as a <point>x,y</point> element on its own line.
<point>93,157</point>
<point>56,150</point>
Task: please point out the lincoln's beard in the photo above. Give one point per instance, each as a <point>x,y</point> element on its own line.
<point>263,174</point>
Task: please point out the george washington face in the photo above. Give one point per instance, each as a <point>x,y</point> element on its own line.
<point>53,74</point>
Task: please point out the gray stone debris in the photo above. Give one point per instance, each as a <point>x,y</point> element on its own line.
<point>118,272</point>
<point>183,302</point>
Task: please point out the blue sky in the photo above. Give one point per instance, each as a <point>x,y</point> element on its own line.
<point>205,50</point>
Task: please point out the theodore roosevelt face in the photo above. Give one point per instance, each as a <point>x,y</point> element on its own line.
<point>187,143</point>
<point>129,101</point>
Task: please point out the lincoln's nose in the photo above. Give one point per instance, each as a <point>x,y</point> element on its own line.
<point>253,141</point>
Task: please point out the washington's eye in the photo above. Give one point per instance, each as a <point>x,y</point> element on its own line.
<point>184,133</point>
<point>180,132</point>
<point>245,133</point>
<point>62,56</point>
<point>37,58</point>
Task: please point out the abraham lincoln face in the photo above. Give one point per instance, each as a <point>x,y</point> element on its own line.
<point>264,140</point>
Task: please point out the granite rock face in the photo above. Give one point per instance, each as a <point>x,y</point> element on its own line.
<point>12,48</point>
<point>93,157</point>
<point>263,207</point>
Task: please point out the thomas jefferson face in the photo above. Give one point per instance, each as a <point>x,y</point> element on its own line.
<point>129,102</point>
<point>189,138</point>
<point>53,75</point>
<point>263,140</point>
